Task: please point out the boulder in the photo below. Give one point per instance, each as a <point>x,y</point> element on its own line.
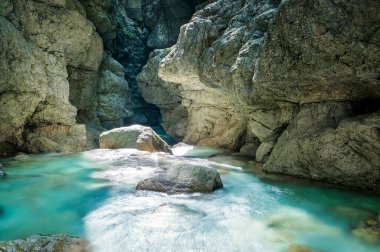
<point>41,243</point>
<point>157,171</point>
<point>135,136</point>
<point>183,179</point>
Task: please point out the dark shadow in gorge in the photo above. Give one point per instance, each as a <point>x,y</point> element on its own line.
<point>142,28</point>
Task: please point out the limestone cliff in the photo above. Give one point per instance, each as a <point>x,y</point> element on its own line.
<point>294,83</point>
<point>60,85</point>
<point>39,40</point>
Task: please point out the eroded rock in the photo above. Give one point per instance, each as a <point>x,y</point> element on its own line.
<point>135,136</point>
<point>252,70</point>
<point>41,243</point>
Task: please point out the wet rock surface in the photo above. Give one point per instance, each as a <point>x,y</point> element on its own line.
<point>181,178</point>
<point>166,173</point>
<point>40,243</point>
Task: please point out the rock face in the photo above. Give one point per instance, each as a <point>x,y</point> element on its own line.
<point>39,40</point>
<point>296,83</point>
<point>182,179</point>
<point>144,25</point>
<point>135,136</point>
<point>56,78</point>
<point>39,243</point>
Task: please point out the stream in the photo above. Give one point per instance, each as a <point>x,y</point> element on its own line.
<point>93,195</point>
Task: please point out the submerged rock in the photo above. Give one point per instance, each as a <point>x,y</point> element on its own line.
<point>182,178</point>
<point>40,243</point>
<point>135,136</point>
<point>300,248</point>
<point>370,230</point>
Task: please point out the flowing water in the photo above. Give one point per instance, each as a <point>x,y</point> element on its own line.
<point>93,195</point>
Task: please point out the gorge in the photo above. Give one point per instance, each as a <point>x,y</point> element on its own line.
<point>269,90</point>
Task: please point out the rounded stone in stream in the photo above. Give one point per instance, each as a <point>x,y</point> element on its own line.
<point>135,136</point>
<point>183,179</point>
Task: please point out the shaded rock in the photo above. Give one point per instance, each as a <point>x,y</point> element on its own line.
<point>6,6</point>
<point>101,14</point>
<point>322,146</point>
<point>174,14</point>
<point>58,138</point>
<point>181,179</point>
<point>40,243</point>
<point>112,99</point>
<point>249,149</point>
<point>264,151</point>
<point>83,93</point>
<point>135,136</point>
<point>155,90</point>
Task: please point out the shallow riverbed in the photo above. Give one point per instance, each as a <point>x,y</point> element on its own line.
<point>93,195</point>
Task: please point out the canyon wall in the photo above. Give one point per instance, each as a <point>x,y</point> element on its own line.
<point>295,84</point>
<point>68,68</point>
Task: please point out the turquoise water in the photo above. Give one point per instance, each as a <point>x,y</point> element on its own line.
<point>93,195</point>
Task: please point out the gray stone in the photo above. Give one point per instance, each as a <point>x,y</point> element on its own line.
<point>181,179</point>
<point>41,243</point>
<point>135,136</point>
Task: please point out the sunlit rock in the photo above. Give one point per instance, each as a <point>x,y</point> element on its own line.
<point>135,136</point>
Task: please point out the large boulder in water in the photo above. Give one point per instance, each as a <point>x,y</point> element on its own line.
<point>181,178</point>
<point>135,136</point>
